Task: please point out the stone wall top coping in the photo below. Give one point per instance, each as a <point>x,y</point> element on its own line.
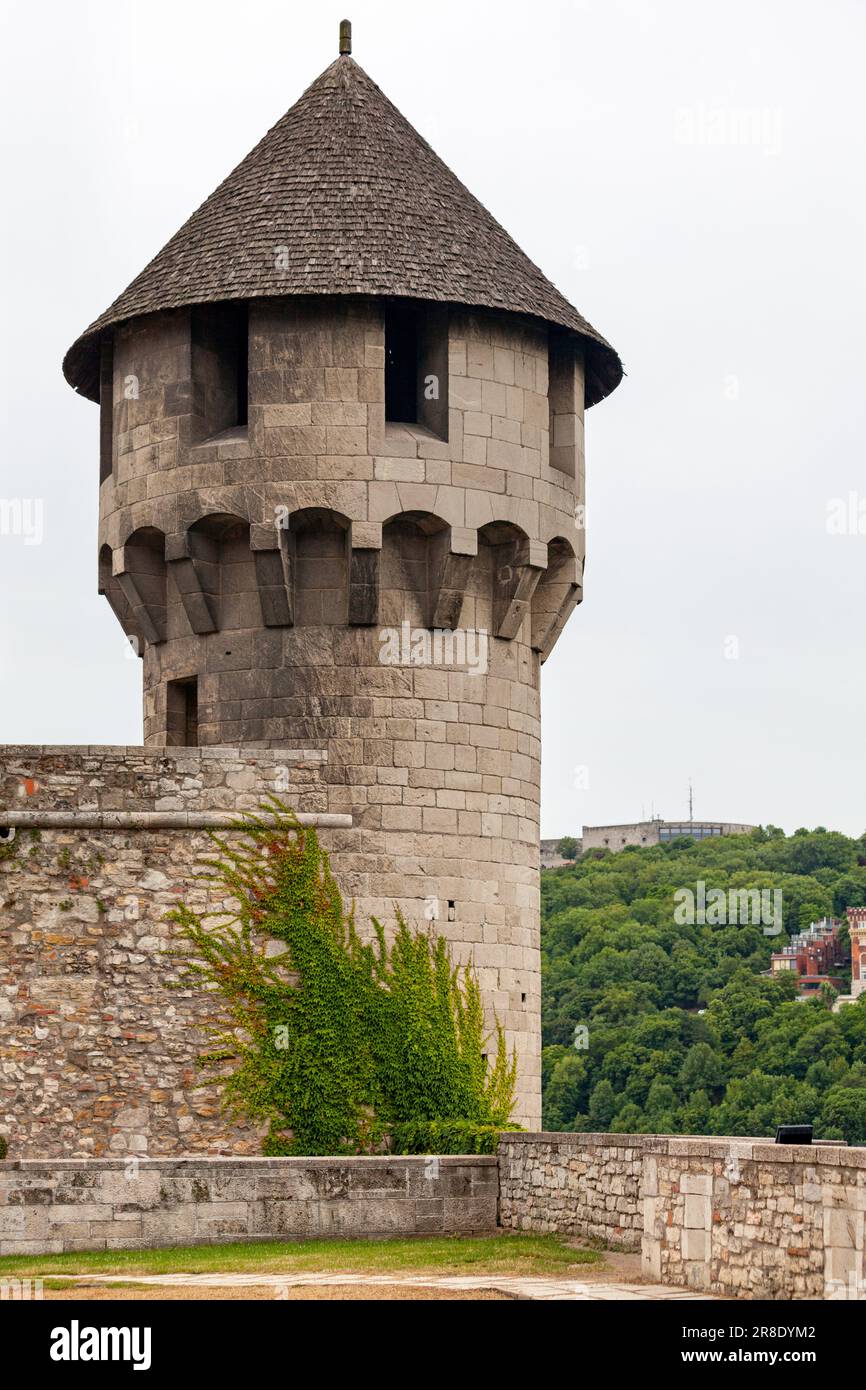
<point>755,1148</point>
<point>123,752</point>
<point>167,1165</point>
<point>153,820</point>
<point>577,1140</point>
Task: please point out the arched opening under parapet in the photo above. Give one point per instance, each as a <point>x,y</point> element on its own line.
<point>503,555</point>
<point>319,544</point>
<point>410,544</point>
<point>145,557</point>
<point>220,549</point>
<point>104,569</point>
<point>120,606</point>
<point>142,580</point>
<point>556,594</point>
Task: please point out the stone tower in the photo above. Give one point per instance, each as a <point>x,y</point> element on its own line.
<point>341,469</point>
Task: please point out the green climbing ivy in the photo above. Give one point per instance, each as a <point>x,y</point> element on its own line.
<point>332,1041</point>
<point>9,846</point>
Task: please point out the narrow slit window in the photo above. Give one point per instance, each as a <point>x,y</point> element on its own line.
<point>106,410</point>
<point>565,401</point>
<point>242,369</point>
<point>182,713</point>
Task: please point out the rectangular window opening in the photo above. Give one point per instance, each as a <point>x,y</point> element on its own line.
<point>416,366</point>
<point>401,364</point>
<point>220,367</point>
<point>182,713</point>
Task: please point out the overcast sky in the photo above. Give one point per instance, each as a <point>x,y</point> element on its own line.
<point>691,176</point>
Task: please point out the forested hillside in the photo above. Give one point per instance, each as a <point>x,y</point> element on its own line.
<point>651,1026</point>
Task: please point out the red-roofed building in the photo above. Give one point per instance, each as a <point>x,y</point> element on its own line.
<point>814,956</point>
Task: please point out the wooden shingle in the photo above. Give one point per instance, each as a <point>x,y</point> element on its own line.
<point>344,197</point>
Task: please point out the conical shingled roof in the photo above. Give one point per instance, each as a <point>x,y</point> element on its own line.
<point>343,196</point>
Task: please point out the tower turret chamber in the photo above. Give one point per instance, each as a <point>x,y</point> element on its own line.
<point>342,477</point>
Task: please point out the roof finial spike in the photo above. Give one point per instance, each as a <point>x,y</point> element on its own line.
<point>345,37</point>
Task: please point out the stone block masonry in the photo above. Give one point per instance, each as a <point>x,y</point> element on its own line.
<point>70,1205</point>
<point>740,1217</point>
<point>260,570</point>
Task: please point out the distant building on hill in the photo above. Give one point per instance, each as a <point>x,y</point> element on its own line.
<point>814,955</point>
<point>657,832</point>
<point>550,855</point>
<point>857,932</point>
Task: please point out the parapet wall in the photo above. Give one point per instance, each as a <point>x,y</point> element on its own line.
<point>68,1205</point>
<point>738,1217</point>
<point>573,1184</point>
<point>741,1217</point>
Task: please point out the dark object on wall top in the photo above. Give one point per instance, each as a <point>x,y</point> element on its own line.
<point>794,1134</point>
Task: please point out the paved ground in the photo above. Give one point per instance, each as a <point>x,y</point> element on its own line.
<point>532,1287</point>
<point>330,1293</point>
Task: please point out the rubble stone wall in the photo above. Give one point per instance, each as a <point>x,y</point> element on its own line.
<point>97,1054</point>
<point>573,1184</point>
<point>756,1220</point>
<point>741,1217</point>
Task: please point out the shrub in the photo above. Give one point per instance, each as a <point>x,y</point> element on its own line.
<point>333,1042</point>
<point>446,1137</point>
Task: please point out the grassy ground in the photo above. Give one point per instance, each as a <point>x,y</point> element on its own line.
<point>506,1254</point>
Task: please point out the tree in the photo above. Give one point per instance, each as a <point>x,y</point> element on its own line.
<point>697,1114</point>
<point>844,1110</point>
<point>602,1105</point>
<point>627,1121</point>
<point>566,1089</point>
<point>568,847</point>
<point>702,1070</point>
<point>693,1006</point>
